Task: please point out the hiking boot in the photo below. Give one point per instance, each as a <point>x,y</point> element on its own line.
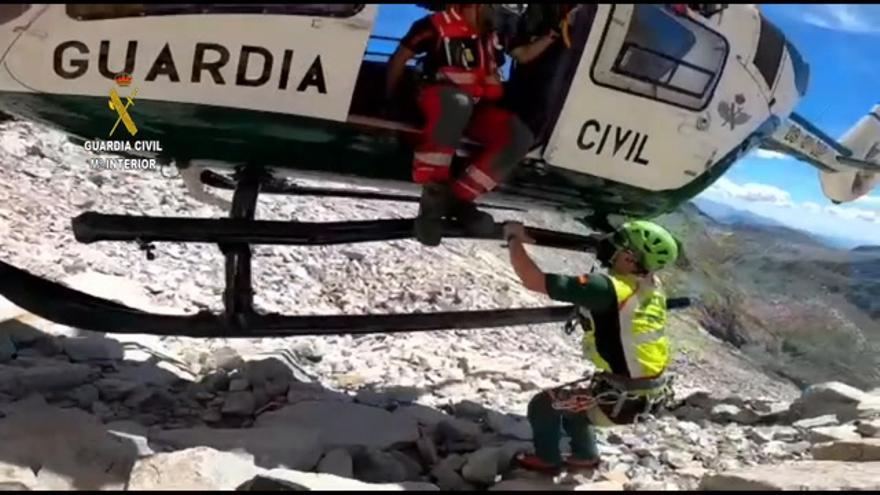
<point>433,206</point>
<point>534,463</point>
<point>474,221</point>
<point>575,464</point>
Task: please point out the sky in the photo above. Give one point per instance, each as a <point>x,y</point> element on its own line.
<point>840,43</point>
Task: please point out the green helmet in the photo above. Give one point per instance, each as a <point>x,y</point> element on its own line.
<point>655,247</point>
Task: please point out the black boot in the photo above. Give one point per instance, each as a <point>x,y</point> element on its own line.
<point>474,221</point>
<point>433,206</point>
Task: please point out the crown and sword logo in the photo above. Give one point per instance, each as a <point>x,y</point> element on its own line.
<point>121,109</point>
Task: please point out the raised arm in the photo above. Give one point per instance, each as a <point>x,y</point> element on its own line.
<point>526,53</point>
<point>528,272</point>
<point>591,292</point>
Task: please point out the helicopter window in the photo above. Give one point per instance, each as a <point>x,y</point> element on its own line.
<point>769,53</point>
<point>661,55</point>
<point>801,69</point>
<point>90,12</point>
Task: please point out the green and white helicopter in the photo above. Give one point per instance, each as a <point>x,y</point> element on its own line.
<point>649,106</point>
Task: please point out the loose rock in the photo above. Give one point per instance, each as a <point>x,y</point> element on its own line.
<point>818,421</point>
<point>869,428</point>
<point>7,349</point>
<point>481,466</point>
<point>832,433</point>
<point>85,349</point>
<point>271,447</point>
<point>239,404</point>
<point>337,462</point>
<point>345,424</point>
<point>834,398</point>
<point>802,475</point>
<point>863,450</point>
<point>111,389</point>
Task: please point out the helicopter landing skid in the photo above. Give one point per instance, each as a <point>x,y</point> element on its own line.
<point>279,186</point>
<point>234,236</point>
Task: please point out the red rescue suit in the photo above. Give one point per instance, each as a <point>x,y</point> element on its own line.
<point>455,101</point>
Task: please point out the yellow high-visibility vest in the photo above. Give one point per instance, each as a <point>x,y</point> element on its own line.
<point>643,346</point>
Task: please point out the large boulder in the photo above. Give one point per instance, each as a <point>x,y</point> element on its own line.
<point>423,415</point>
<point>833,433</point>
<point>88,349</point>
<point>199,468</point>
<point>863,450</point>
<point>67,449</point>
<point>19,478</point>
<point>291,446</point>
<point>204,468</point>
<point>801,475</point>
<point>43,375</point>
<point>835,398</point>
<point>340,424</point>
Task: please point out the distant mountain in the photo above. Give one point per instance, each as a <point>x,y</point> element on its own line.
<point>792,302</point>
<point>729,215</point>
<point>867,249</point>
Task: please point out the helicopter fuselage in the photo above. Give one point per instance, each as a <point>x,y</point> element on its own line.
<point>655,107</point>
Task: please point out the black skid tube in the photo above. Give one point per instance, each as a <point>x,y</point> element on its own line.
<point>91,227</point>
<point>67,306</point>
<point>277,186</point>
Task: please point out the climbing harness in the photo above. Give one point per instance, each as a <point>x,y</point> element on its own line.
<point>568,398</point>
<point>572,399</point>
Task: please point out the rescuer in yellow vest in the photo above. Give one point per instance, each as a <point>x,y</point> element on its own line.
<point>623,314</point>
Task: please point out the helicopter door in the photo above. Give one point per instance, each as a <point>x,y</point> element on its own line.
<point>644,81</point>
<point>300,59</point>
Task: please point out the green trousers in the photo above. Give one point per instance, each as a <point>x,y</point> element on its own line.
<point>547,425</point>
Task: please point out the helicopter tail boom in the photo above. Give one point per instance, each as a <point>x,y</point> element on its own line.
<point>863,139</point>
<point>848,168</point>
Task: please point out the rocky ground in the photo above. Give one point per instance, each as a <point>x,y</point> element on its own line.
<point>80,410</point>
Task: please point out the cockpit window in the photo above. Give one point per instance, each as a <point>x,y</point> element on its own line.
<point>660,55</point>
<point>768,56</point>
<point>801,69</point>
<point>91,12</point>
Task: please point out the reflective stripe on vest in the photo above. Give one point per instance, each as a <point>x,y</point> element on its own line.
<point>642,318</point>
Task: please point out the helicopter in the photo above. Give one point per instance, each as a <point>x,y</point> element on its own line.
<point>652,103</point>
